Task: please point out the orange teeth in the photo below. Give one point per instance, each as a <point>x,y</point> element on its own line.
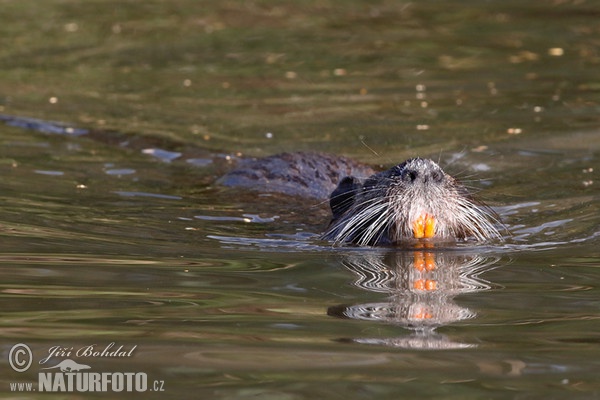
<point>424,226</point>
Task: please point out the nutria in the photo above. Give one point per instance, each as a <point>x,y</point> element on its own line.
<point>413,200</point>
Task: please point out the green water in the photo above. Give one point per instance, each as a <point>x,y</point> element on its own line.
<point>227,295</point>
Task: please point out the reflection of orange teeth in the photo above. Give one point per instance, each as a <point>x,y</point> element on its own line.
<point>424,226</point>
<point>419,260</point>
<point>429,262</point>
<point>419,284</point>
<point>424,261</point>
<point>430,285</point>
<point>425,284</point>
<point>422,314</point>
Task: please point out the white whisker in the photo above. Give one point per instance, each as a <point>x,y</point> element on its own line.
<point>388,204</point>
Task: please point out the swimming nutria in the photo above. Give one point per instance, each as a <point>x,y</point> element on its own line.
<point>413,200</point>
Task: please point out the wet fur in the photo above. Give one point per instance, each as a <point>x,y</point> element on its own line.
<point>381,210</point>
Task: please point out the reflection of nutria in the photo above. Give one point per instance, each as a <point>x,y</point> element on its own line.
<point>413,200</point>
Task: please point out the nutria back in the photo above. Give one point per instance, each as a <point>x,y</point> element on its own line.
<point>302,174</point>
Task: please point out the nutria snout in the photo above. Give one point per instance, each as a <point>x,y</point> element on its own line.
<point>413,200</point>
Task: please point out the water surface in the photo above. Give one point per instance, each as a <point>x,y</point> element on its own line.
<point>120,235</point>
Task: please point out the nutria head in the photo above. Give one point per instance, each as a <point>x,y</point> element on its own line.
<point>413,200</point>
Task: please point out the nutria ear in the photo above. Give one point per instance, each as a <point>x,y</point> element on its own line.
<point>342,197</point>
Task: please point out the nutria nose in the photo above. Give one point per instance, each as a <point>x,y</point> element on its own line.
<point>409,175</point>
<point>423,175</point>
